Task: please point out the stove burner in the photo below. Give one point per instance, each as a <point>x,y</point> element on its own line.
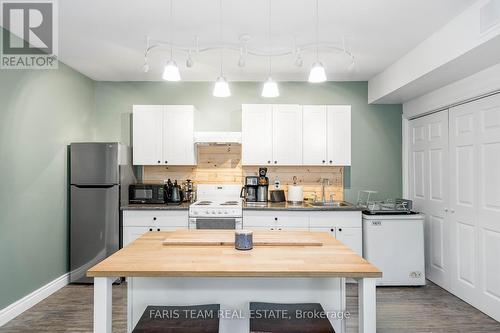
<point>229,203</point>
<point>204,203</point>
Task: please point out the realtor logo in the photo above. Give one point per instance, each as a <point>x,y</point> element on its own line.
<point>29,36</point>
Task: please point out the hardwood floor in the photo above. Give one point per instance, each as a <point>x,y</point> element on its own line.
<point>411,310</point>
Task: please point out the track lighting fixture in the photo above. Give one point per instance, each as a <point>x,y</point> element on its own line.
<point>317,73</point>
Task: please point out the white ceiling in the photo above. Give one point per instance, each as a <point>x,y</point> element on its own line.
<point>106,39</point>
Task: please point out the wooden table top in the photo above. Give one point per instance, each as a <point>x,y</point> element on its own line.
<point>148,257</point>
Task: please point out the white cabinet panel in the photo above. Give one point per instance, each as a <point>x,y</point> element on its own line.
<point>338,218</point>
<point>163,134</point>
<point>314,136</point>
<point>147,134</point>
<point>352,238</point>
<point>257,134</point>
<point>178,137</point>
<point>339,134</point>
<point>130,234</point>
<point>155,218</point>
<point>287,134</point>
<point>276,220</point>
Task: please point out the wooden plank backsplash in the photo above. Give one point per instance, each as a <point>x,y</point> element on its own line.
<point>222,165</point>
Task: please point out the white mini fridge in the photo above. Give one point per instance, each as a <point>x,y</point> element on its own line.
<point>395,244</point>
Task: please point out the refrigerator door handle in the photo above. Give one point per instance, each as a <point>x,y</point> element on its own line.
<point>95,186</point>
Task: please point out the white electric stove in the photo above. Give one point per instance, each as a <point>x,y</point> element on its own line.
<point>217,207</point>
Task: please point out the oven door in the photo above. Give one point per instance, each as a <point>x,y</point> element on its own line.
<point>216,223</point>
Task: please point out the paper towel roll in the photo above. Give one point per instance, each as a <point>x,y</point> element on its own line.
<point>295,193</point>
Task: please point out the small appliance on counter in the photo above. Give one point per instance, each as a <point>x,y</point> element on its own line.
<point>295,192</point>
<point>189,193</point>
<point>174,193</point>
<point>147,194</point>
<point>277,196</point>
<point>262,188</point>
<point>249,191</point>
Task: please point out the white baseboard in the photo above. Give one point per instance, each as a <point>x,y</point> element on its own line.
<point>15,309</point>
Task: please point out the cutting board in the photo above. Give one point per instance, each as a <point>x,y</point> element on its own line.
<point>226,238</point>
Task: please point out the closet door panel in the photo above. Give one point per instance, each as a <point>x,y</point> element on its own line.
<point>429,189</point>
<point>488,203</point>
<point>464,233</point>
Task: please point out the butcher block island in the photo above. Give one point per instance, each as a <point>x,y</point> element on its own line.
<point>188,267</point>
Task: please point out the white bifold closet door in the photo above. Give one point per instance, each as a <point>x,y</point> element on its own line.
<point>429,190</point>
<point>475,203</point>
<point>455,181</point>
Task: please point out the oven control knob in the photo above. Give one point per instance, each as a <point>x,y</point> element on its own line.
<point>213,211</point>
<point>225,212</point>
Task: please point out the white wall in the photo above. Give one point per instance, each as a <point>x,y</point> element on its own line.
<point>478,84</point>
<point>457,50</point>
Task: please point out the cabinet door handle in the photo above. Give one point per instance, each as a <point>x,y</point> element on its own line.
<point>332,230</point>
<point>276,219</point>
<point>324,161</point>
<point>331,162</point>
<point>275,162</point>
<point>268,162</point>
<point>159,162</point>
<point>154,218</point>
<point>166,162</point>
<point>279,228</point>
<point>158,229</point>
<point>340,229</point>
<point>150,229</point>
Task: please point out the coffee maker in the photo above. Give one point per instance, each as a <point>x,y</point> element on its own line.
<point>249,191</point>
<point>262,188</point>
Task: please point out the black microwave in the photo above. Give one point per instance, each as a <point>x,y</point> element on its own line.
<point>147,194</point>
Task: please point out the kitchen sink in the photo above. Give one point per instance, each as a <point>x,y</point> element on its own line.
<point>330,204</point>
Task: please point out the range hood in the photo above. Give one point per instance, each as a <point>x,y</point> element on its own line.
<point>217,138</point>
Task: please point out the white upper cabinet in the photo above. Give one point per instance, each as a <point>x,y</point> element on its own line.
<point>338,134</point>
<point>257,134</point>
<point>163,135</point>
<point>147,134</point>
<point>178,135</point>
<point>287,135</point>
<point>314,135</point>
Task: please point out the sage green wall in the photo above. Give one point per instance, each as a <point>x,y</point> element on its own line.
<point>41,111</point>
<point>376,129</point>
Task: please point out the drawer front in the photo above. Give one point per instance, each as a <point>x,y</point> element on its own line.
<point>130,234</point>
<point>155,218</point>
<point>277,228</point>
<point>276,219</point>
<point>335,219</point>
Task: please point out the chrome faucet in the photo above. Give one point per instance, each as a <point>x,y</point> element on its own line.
<point>324,182</point>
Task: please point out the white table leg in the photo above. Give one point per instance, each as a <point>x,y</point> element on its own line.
<point>103,300</point>
<point>367,299</point>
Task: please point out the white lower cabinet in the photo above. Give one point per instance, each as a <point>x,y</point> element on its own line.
<point>345,226</point>
<point>138,222</point>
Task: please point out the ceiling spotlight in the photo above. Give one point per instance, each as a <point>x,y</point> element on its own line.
<point>299,61</point>
<point>317,73</point>
<point>352,66</point>
<point>171,72</point>
<point>189,60</point>
<point>270,88</point>
<point>221,87</point>
<point>241,61</point>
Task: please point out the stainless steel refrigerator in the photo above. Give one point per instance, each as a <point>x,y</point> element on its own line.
<point>100,174</point>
